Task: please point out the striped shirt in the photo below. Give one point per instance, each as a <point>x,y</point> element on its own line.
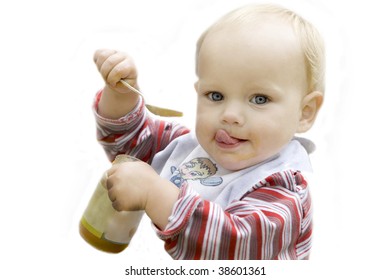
<point>269,219</point>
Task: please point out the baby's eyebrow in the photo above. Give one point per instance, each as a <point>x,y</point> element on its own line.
<point>265,85</point>
<point>208,84</point>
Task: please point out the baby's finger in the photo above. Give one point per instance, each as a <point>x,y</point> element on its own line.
<point>111,195</point>
<point>109,65</point>
<point>124,69</point>
<point>110,179</point>
<point>111,171</point>
<point>117,206</point>
<point>101,55</point>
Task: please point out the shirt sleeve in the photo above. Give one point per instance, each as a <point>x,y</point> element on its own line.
<point>137,133</point>
<point>272,221</point>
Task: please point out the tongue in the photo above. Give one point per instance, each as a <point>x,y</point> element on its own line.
<point>223,137</point>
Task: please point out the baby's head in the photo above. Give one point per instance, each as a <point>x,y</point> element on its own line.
<point>260,80</point>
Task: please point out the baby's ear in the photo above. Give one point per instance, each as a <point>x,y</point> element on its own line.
<point>311,104</point>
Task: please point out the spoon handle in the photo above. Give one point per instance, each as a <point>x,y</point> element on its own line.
<point>164,112</point>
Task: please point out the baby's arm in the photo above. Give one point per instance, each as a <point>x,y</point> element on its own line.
<point>123,124</point>
<point>134,186</point>
<point>116,100</point>
<point>124,127</point>
<point>270,222</point>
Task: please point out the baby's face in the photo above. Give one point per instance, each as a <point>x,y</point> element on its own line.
<point>250,90</point>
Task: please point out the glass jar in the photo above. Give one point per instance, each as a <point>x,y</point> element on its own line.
<point>101,225</point>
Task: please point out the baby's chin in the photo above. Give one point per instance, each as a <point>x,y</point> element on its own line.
<point>235,165</point>
<point>241,162</point>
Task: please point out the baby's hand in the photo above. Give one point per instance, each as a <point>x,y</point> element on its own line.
<point>136,186</point>
<point>129,183</point>
<point>114,66</point>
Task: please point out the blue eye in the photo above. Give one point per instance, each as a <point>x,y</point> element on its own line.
<point>259,99</point>
<point>215,96</point>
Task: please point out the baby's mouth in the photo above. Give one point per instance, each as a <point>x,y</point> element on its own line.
<point>222,137</point>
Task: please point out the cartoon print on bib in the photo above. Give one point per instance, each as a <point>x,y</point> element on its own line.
<point>201,169</point>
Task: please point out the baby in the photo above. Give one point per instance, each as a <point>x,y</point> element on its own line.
<point>234,189</point>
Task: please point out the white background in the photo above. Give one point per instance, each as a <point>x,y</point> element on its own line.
<point>51,161</point>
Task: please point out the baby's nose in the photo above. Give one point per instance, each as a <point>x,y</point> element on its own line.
<point>233,115</point>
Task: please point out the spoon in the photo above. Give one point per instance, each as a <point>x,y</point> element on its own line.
<point>164,112</point>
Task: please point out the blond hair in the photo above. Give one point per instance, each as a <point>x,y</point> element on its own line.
<point>310,39</point>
